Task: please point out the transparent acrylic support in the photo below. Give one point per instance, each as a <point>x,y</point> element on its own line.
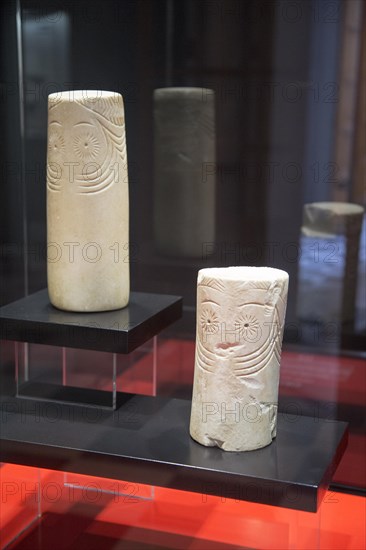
<point>20,501</point>
<point>135,372</point>
<point>84,499</point>
<point>92,378</point>
<point>118,491</point>
<point>83,377</point>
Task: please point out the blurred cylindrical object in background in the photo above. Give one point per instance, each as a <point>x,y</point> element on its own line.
<point>329,263</point>
<point>185,168</point>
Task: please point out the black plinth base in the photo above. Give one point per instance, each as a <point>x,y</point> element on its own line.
<point>147,441</point>
<point>33,319</point>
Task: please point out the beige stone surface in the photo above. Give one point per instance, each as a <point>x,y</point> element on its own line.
<point>240,321</point>
<point>87,201</point>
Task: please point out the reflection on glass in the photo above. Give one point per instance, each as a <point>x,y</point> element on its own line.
<point>184,154</point>
<point>46,44</point>
<point>330,238</point>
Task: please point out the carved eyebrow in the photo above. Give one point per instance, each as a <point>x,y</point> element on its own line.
<point>251,304</point>
<point>55,122</point>
<point>83,123</point>
<point>210,302</point>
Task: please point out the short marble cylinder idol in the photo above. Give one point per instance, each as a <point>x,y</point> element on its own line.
<point>240,321</point>
<point>87,201</point>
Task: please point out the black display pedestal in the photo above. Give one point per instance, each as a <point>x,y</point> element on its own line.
<point>146,439</point>
<point>45,335</point>
<point>33,319</point>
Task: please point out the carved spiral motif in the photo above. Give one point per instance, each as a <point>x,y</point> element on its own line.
<point>247,326</point>
<point>56,142</point>
<point>96,140</point>
<point>255,342</point>
<point>209,321</point>
<point>86,146</point>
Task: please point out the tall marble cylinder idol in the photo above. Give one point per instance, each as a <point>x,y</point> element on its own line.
<point>87,201</point>
<point>184,171</point>
<point>240,321</point>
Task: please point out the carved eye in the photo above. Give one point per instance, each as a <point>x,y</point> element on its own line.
<point>248,326</point>
<point>56,142</point>
<point>209,321</point>
<point>86,145</point>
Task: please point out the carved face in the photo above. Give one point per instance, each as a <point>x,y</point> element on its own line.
<point>86,143</point>
<point>239,325</point>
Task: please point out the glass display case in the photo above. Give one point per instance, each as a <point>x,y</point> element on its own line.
<point>265,168</point>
